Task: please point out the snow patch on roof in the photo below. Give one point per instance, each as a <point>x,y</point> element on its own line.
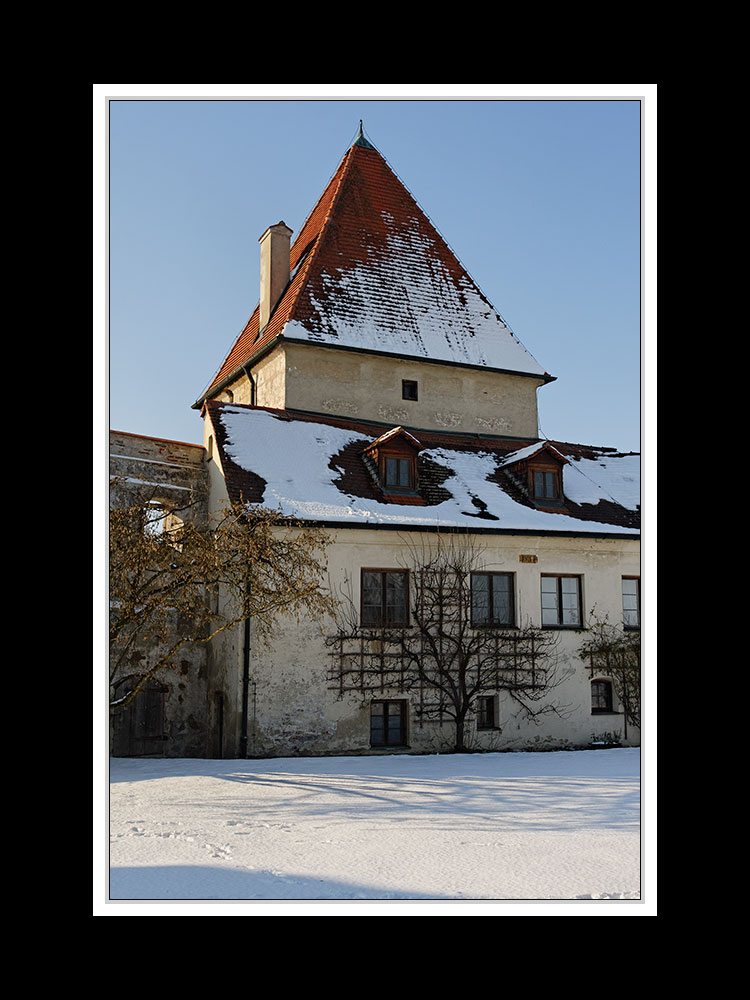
<point>532,449</point>
<point>609,477</point>
<point>293,457</point>
<point>404,300</point>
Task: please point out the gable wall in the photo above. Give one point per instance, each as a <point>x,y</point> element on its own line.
<point>368,386</point>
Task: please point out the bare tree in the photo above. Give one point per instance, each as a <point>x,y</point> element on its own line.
<point>449,650</point>
<point>615,652</point>
<point>176,580</point>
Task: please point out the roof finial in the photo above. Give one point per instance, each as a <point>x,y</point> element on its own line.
<point>360,140</point>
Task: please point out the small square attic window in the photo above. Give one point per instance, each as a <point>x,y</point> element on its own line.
<point>409,390</point>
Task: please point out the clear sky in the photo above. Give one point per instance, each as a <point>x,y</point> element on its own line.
<point>540,199</point>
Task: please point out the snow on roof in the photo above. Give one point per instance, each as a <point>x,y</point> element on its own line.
<point>532,449</point>
<point>302,465</point>
<point>405,299</point>
<point>370,272</point>
<point>616,478</point>
<point>396,432</point>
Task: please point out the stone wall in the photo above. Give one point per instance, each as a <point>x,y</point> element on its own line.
<point>171,718</point>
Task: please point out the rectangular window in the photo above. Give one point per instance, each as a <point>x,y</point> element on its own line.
<point>409,389</point>
<point>492,599</point>
<point>561,601</point>
<point>631,602</point>
<point>398,472</point>
<point>545,485</point>
<point>601,697</point>
<point>385,597</point>
<point>388,724</point>
<point>486,712</point>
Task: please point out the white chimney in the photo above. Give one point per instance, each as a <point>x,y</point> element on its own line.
<point>274,268</point>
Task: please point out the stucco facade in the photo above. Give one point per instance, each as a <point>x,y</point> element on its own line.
<point>294,707</point>
<point>353,383</point>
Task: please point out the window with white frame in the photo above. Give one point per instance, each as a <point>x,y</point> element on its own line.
<point>631,601</point>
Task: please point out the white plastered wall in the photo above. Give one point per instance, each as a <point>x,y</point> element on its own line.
<point>294,706</point>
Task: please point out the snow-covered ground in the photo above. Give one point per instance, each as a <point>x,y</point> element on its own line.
<point>561,826</point>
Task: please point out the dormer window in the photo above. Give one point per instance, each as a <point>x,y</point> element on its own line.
<point>546,484</point>
<point>392,459</point>
<point>399,472</point>
<point>539,469</point>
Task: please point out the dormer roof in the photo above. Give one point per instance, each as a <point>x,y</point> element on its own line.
<point>391,437</point>
<point>369,272</point>
<point>534,451</point>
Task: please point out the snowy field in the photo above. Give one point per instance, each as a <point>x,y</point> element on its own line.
<point>438,829</point>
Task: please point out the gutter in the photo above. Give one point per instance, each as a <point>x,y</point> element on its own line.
<point>245,685</point>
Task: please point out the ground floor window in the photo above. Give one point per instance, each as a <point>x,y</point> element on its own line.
<point>601,697</point>
<point>486,712</point>
<point>388,723</point>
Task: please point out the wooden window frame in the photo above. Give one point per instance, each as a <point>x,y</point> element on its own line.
<point>409,382</point>
<point>482,715</point>
<point>403,717</point>
<point>492,623</point>
<point>609,706</point>
<point>534,471</point>
<point>410,461</point>
<point>631,628</point>
<point>384,573</point>
<point>559,577</point>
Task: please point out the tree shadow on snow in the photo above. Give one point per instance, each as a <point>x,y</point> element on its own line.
<point>187,882</point>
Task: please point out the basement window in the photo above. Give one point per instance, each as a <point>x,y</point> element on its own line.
<point>388,723</point>
<point>601,698</point>
<point>486,712</point>
<point>409,390</point>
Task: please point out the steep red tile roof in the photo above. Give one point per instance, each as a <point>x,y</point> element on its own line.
<point>370,271</point>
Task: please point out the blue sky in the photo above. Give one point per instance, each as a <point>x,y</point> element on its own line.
<point>540,199</point>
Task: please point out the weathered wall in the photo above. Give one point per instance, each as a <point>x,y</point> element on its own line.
<point>368,386</point>
<point>292,709</point>
<point>172,472</point>
<point>160,469</point>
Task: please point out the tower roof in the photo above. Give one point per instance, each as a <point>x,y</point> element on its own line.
<point>370,272</point>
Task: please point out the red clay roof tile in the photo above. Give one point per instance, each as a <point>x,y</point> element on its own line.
<point>370,271</point>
